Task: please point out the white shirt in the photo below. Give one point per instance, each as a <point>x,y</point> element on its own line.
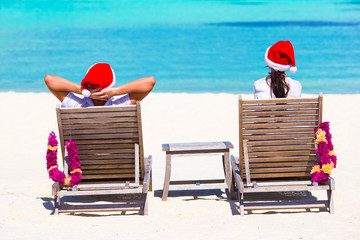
<point>262,89</point>
<point>77,100</point>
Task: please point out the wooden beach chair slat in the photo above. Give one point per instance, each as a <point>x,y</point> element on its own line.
<point>281,142</point>
<point>280,153</point>
<point>107,139</point>
<point>102,136</point>
<point>105,158</point>
<point>278,107</point>
<point>284,136</point>
<point>272,169</point>
<point>100,130</point>
<point>280,119</point>
<point>276,139</point>
<point>107,146</point>
<point>106,151</point>
<point>279,130</point>
<point>283,158</point>
<point>280,113</point>
<point>280,147</point>
<point>103,120</point>
<point>99,109</point>
<point>107,176</point>
<point>99,126</point>
<point>281,164</point>
<point>281,100</point>
<point>117,164</point>
<point>98,115</point>
<point>281,124</point>
<point>264,176</point>
<point>128,169</point>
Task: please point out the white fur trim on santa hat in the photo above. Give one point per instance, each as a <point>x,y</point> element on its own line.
<point>276,66</point>
<point>113,81</point>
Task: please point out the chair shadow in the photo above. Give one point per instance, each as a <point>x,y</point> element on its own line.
<point>249,197</point>
<point>280,197</point>
<point>48,203</point>
<point>195,195</point>
<point>203,194</point>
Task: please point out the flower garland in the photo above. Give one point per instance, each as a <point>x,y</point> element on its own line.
<point>73,159</point>
<point>321,171</point>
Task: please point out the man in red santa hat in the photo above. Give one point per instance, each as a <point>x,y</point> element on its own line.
<point>279,58</point>
<point>98,89</point>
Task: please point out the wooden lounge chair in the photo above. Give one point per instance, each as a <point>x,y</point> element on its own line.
<point>111,156</point>
<point>277,152</point>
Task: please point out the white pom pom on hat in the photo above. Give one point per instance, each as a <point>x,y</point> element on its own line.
<point>98,76</point>
<point>86,93</point>
<point>281,57</point>
<point>293,69</point>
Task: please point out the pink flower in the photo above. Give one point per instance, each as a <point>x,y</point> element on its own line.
<point>325,126</point>
<point>73,156</point>
<point>52,140</point>
<point>75,178</point>
<point>323,149</point>
<point>73,159</point>
<point>319,177</point>
<point>57,176</point>
<point>333,159</point>
<point>51,157</point>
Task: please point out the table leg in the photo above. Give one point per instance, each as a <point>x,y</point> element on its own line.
<point>167,177</point>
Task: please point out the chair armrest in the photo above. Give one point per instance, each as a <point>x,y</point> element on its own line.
<point>247,165</point>
<point>331,183</point>
<point>236,172</point>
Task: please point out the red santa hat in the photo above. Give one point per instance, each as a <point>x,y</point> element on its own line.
<point>99,75</point>
<point>280,57</point>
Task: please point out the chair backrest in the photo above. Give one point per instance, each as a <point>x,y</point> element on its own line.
<point>106,138</point>
<point>279,134</point>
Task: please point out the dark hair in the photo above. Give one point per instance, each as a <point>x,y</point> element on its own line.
<point>278,84</point>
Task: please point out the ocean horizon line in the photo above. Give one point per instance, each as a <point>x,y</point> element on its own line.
<point>190,93</point>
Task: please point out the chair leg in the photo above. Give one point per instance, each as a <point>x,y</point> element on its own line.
<point>150,182</point>
<point>55,190</point>
<point>167,178</point>
<point>233,195</point>
<point>330,201</point>
<point>56,204</point>
<point>242,207</point>
<point>145,212</point>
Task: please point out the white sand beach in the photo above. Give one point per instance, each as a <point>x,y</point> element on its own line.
<point>25,189</point>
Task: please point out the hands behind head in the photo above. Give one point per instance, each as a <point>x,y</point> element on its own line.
<point>102,95</point>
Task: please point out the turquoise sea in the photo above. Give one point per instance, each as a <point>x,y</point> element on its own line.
<point>188,45</point>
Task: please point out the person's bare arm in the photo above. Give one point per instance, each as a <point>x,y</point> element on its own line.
<point>137,90</point>
<point>60,87</point>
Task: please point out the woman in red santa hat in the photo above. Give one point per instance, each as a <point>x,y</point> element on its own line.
<point>279,58</point>
<point>98,89</point>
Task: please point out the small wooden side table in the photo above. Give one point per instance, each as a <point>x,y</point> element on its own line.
<point>197,148</point>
